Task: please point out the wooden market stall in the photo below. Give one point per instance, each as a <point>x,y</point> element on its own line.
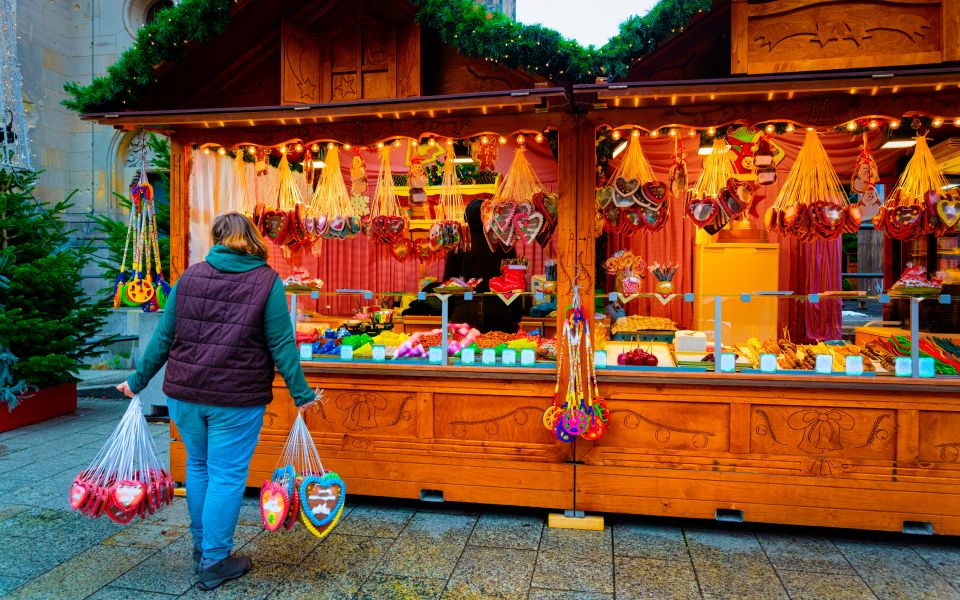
<point>831,450</point>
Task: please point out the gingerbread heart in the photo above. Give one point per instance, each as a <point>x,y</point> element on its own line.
<point>794,215</point>
<point>731,204</point>
<point>854,218</point>
<point>655,219</point>
<point>626,187</point>
<point>829,218</point>
<point>702,211</point>
<point>771,219</point>
<point>294,505</point>
<point>718,223</point>
<point>678,179</point>
<point>422,249</point>
<point>906,216</point>
<point>322,498</point>
<point>401,249</point>
<point>274,504</point>
<point>129,494</point>
<point>604,197</point>
<point>338,227</point>
<point>634,219</point>
<point>78,494</point>
<point>529,226</point>
<point>743,191</point>
<point>273,223</point>
<point>502,221</point>
<point>930,200</point>
<point>654,192</point>
<point>320,532</point>
<point>949,211</point>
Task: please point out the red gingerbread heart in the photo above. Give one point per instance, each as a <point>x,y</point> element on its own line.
<point>702,211</point>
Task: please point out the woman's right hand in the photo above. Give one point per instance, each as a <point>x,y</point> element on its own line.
<point>125,390</point>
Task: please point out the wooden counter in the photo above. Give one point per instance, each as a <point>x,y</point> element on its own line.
<point>868,453</point>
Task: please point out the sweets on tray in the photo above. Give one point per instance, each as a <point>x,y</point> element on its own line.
<point>803,357</point>
<point>643,323</point>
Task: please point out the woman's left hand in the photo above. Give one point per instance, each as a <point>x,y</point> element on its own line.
<point>125,390</point>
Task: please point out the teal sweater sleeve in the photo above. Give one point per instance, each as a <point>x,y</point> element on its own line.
<point>155,355</point>
<point>283,346</point>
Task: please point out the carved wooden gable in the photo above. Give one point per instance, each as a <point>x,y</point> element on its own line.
<point>364,58</point>
<point>811,35</point>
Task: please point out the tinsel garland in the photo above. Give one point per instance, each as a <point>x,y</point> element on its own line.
<point>463,24</point>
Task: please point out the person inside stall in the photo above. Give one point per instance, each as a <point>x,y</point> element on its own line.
<point>485,313</point>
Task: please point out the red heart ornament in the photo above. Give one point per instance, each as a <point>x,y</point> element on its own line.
<point>702,211</point>
<point>129,494</point>
<point>771,219</point>
<point>654,192</point>
<point>731,204</point>
<point>274,505</point>
<point>655,219</point>
<point>401,249</point>
<point>78,494</point>
<point>528,226</point>
<point>854,218</point>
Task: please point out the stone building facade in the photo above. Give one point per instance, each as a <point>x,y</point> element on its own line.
<point>507,7</point>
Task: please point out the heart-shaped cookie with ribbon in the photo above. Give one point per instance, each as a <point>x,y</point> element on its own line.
<point>829,218</point>
<point>854,218</point>
<point>274,223</point>
<point>501,222</point>
<point>655,219</point>
<point>129,494</point>
<point>422,249</point>
<point>654,192</point>
<point>702,211</point>
<point>930,200</point>
<point>731,204</point>
<point>604,197</point>
<point>401,249</point>
<point>625,187</point>
<point>79,492</point>
<point>633,219</point>
<point>718,223</point>
<point>322,498</point>
<point>338,227</point>
<point>948,209</point>
<point>294,505</point>
<point>771,219</point>
<point>274,504</point>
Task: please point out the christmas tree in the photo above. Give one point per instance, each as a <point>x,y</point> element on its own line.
<point>48,322</point>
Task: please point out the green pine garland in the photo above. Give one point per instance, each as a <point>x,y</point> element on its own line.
<point>462,24</point>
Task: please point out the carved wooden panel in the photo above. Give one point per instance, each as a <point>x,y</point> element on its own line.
<point>668,426</point>
<point>358,412</point>
<point>810,35</point>
<point>487,419</point>
<point>299,66</point>
<point>821,433</point>
<point>939,437</point>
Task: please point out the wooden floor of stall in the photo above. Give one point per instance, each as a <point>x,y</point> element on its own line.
<point>826,451</point>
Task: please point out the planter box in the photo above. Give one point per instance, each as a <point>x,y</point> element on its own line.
<point>44,404</point>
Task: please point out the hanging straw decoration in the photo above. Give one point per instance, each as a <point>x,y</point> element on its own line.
<point>919,205</point>
<point>811,203</point>
<point>581,412</point>
<point>284,224</point>
<point>331,211</point>
<point>125,478</point>
<point>450,231</point>
<point>511,215</point>
<point>718,196</point>
<point>301,487</point>
<point>387,222</point>
<point>243,202</point>
<point>635,201</point>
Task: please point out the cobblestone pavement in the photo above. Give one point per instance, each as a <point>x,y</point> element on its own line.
<point>409,550</point>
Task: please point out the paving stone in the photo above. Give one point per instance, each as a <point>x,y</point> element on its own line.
<point>945,559</point>
<point>116,593</point>
<point>82,575</point>
<point>337,568</point>
<point>656,579</point>
<point>825,586</point>
<point>649,541</point>
<point>146,535</point>
<point>290,547</point>
<point>521,532</point>
<point>260,582</point>
<point>895,571</point>
<point>804,553</point>
<point>169,571</point>
<point>573,541</point>
<point>538,594</point>
<point>429,546</point>
<point>13,510</point>
<point>555,570</point>
<point>8,583</point>
<point>499,573</point>
<point>393,587</point>
<point>375,521</point>
<point>732,565</point>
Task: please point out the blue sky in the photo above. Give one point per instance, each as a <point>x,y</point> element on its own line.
<point>587,21</point>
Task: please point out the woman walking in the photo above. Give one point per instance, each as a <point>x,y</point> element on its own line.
<point>224,330</point>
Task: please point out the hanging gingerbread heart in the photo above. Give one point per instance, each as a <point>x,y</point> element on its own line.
<point>854,218</point>
<point>502,221</point>
<point>829,218</point>
<point>702,211</point>
<point>655,219</point>
<point>322,498</point>
<point>274,504</point>
<point>79,493</point>
<point>129,494</point>
<point>731,204</point>
<point>771,219</point>
<point>625,188</point>
<point>654,192</point>
<point>719,222</point>
<point>528,226</point>
<point>604,197</point>
<point>401,249</point>
<point>422,249</point>
<point>948,209</point>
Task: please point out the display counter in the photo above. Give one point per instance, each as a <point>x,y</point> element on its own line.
<point>861,452</point>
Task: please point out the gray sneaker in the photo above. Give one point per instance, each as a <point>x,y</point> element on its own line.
<point>232,567</point>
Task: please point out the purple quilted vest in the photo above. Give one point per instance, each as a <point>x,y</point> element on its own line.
<point>219,353</point>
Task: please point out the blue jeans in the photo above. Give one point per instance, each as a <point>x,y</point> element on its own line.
<point>220,441</point>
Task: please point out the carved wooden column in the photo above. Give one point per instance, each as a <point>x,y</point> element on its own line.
<point>179,208</point>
